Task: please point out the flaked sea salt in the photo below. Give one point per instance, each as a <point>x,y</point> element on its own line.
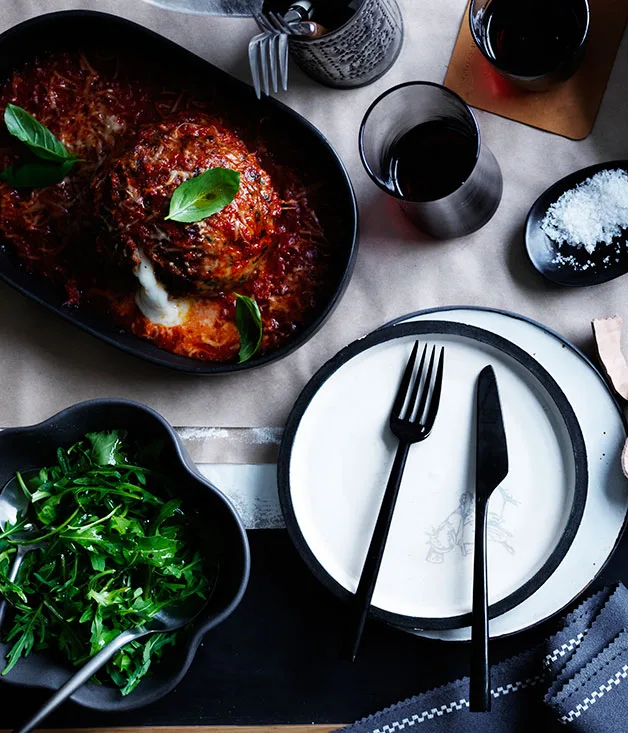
<point>594,212</point>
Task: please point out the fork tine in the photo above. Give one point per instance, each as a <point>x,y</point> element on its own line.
<point>409,411</point>
<point>264,22</point>
<point>273,52</point>
<point>264,50</point>
<point>282,47</point>
<point>254,63</point>
<point>283,61</point>
<point>425,393</point>
<point>280,23</point>
<point>435,401</point>
<point>279,50</point>
<point>405,381</point>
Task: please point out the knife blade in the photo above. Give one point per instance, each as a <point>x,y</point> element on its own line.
<point>491,451</point>
<point>491,469</point>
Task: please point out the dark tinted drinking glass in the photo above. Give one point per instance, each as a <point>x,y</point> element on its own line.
<point>420,143</point>
<point>537,43</point>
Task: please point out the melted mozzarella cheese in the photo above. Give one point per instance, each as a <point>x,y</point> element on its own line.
<point>153,299</point>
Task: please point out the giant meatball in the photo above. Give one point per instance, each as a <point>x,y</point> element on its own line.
<point>207,257</point>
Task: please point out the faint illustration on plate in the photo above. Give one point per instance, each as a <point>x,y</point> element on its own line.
<point>456,530</point>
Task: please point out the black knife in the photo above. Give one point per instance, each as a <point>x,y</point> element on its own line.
<point>491,469</point>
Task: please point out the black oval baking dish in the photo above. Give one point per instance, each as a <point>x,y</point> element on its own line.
<point>291,138</point>
<point>36,445</point>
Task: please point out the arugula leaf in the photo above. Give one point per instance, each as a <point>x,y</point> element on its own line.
<point>113,547</point>
<point>36,175</point>
<point>249,324</point>
<point>24,645</point>
<point>204,195</point>
<point>35,136</point>
<point>157,550</point>
<point>106,447</point>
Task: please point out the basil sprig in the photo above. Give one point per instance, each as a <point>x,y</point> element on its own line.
<point>56,160</point>
<point>36,175</point>
<point>249,323</point>
<point>204,195</point>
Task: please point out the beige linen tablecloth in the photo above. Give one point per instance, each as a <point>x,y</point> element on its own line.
<point>46,364</point>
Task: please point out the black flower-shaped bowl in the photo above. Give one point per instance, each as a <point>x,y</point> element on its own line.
<point>35,446</point>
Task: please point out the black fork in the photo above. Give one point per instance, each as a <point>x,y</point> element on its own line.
<point>410,423</point>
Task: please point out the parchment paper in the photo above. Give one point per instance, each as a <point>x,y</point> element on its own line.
<point>46,364</point>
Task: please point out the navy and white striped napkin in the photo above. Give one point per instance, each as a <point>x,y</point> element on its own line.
<point>578,678</point>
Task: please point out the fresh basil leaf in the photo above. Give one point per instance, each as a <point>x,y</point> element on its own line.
<point>204,195</point>
<point>36,136</point>
<point>249,324</point>
<point>36,175</point>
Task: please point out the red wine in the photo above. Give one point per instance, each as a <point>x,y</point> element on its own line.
<point>532,37</point>
<point>431,160</point>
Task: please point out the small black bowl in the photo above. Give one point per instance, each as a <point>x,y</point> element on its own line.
<point>573,266</point>
<point>36,445</point>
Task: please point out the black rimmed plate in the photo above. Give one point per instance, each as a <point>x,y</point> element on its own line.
<point>336,455</point>
<point>290,137</point>
<point>567,265</point>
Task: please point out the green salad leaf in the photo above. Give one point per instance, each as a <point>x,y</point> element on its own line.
<point>106,448</point>
<point>112,547</point>
<point>204,195</point>
<point>249,324</point>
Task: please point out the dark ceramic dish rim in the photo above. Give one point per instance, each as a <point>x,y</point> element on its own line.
<point>533,232</point>
<point>376,180</point>
<point>139,347</point>
<point>398,330</point>
<point>553,70</point>
<point>130,702</point>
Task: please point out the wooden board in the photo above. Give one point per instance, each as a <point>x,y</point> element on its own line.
<point>568,109</point>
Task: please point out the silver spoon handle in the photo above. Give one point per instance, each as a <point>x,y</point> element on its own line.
<point>81,677</point>
<point>15,569</point>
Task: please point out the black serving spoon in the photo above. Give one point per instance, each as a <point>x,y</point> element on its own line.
<point>568,265</point>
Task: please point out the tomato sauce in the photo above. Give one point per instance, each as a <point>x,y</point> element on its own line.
<point>95,104</point>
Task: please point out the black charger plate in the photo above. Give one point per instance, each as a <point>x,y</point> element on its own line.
<point>36,445</point>
<point>291,138</point>
<point>605,263</point>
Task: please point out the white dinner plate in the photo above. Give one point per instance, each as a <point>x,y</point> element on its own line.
<point>604,431</point>
<point>337,452</point>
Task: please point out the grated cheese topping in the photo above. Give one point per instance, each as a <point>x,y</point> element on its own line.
<point>592,213</point>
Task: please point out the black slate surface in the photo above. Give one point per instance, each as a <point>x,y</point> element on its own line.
<point>276,659</point>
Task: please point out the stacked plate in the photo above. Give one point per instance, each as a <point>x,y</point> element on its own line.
<point>553,522</point>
